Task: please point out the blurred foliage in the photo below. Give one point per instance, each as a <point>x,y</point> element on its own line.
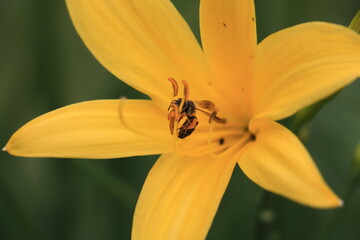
<point>44,65</point>
<point>355,23</point>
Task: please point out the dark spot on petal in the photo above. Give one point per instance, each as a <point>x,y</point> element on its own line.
<point>252,137</point>
<point>221,141</point>
<point>253,19</point>
<point>224,24</point>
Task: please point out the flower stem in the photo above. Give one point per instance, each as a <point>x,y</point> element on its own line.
<point>120,189</point>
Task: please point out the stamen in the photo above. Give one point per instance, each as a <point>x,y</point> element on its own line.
<point>213,117</point>
<point>173,116</point>
<point>223,150</point>
<point>201,151</point>
<point>183,101</point>
<point>127,126</point>
<point>216,147</point>
<point>176,117</point>
<point>244,139</point>
<point>176,135</point>
<point>174,85</point>
<point>186,90</point>
<point>239,145</point>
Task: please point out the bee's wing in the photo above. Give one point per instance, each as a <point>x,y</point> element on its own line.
<point>206,104</point>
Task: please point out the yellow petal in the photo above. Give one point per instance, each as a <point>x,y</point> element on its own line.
<point>94,129</point>
<point>141,42</point>
<point>180,197</point>
<point>277,161</point>
<point>303,64</point>
<point>228,33</point>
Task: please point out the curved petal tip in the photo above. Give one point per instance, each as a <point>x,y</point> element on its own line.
<point>4,149</point>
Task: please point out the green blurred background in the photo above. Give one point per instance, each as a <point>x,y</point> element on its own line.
<point>44,65</point>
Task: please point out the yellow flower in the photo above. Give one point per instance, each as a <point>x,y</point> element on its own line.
<point>144,42</point>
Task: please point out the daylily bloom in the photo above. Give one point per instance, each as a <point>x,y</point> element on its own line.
<point>145,42</point>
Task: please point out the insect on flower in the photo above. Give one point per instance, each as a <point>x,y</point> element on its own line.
<point>187,116</point>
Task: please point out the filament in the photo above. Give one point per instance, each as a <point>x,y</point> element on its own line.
<point>127,126</point>
<point>183,100</point>
<point>219,151</point>
<point>243,140</point>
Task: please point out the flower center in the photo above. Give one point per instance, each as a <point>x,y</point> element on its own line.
<point>220,140</point>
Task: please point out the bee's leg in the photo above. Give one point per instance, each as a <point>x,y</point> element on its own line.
<point>181,116</point>
<point>174,85</point>
<point>193,122</point>
<point>188,127</point>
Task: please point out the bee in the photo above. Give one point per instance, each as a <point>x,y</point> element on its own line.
<point>187,114</point>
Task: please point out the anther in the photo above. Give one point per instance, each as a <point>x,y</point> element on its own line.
<point>186,90</point>
<point>174,85</point>
<point>212,116</point>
